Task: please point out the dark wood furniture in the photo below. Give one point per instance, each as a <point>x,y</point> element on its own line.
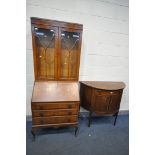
<point>101,98</point>
<point>56,49</point>
<point>56,52</point>
<point>55,104</point>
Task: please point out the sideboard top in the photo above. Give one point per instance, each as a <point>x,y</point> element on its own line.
<point>51,91</point>
<point>106,85</point>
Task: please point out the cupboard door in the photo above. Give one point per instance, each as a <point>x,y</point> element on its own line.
<point>46,56</point>
<point>101,101</point>
<point>69,54</point>
<point>115,102</point>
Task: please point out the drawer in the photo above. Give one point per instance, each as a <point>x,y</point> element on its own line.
<point>54,120</point>
<point>103,92</point>
<point>48,113</point>
<point>50,106</point>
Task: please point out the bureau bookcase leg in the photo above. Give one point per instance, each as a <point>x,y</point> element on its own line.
<point>89,119</point>
<point>33,134</point>
<point>76,131</point>
<point>115,118</point>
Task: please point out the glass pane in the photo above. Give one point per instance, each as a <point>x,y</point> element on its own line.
<point>45,41</point>
<point>69,49</point>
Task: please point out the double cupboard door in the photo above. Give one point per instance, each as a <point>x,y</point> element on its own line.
<point>56,52</point>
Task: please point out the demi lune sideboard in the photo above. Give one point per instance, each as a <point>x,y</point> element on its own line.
<point>101,98</point>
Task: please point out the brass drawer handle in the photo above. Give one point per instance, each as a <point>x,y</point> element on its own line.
<point>69,106</point>
<point>41,114</point>
<point>41,121</point>
<point>39,107</point>
<point>111,92</point>
<point>69,113</point>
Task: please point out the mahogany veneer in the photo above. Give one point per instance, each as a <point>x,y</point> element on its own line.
<point>101,98</point>
<point>56,52</point>
<point>55,104</point>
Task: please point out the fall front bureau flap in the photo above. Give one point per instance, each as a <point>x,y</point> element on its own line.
<point>54,91</point>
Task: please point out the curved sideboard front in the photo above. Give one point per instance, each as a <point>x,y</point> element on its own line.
<point>102,98</point>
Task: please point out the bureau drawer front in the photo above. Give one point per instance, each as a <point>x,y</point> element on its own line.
<point>48,113</point>
<point>50,106</point>
<point>54,120</point>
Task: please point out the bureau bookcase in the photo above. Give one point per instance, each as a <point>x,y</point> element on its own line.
<point>56,53</point>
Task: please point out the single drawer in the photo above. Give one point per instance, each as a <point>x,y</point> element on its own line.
<point>48,113</point>
<point>50,106</point>
<point>104,92</point>
<point>54,120</point>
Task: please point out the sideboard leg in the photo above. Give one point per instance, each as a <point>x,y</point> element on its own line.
<point>33,134</point>
<point>76,131</point>
<point>115,118</point>
<point>89,119</point>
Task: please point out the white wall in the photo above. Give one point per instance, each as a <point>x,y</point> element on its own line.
<point>104,55</point>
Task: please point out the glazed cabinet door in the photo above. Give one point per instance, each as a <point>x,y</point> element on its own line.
<point>45,55</point>
<point>69,53</point>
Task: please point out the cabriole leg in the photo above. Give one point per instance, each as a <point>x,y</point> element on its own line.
<point>76,131</point>
<point>33,134</point>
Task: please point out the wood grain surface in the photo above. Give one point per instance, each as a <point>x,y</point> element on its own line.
<point>106,85</point>
<point>55,91</point>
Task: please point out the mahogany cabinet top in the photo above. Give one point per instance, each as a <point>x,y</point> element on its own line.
<point>52,91</point>
<point>41,21</point>
<point>106,85</point>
